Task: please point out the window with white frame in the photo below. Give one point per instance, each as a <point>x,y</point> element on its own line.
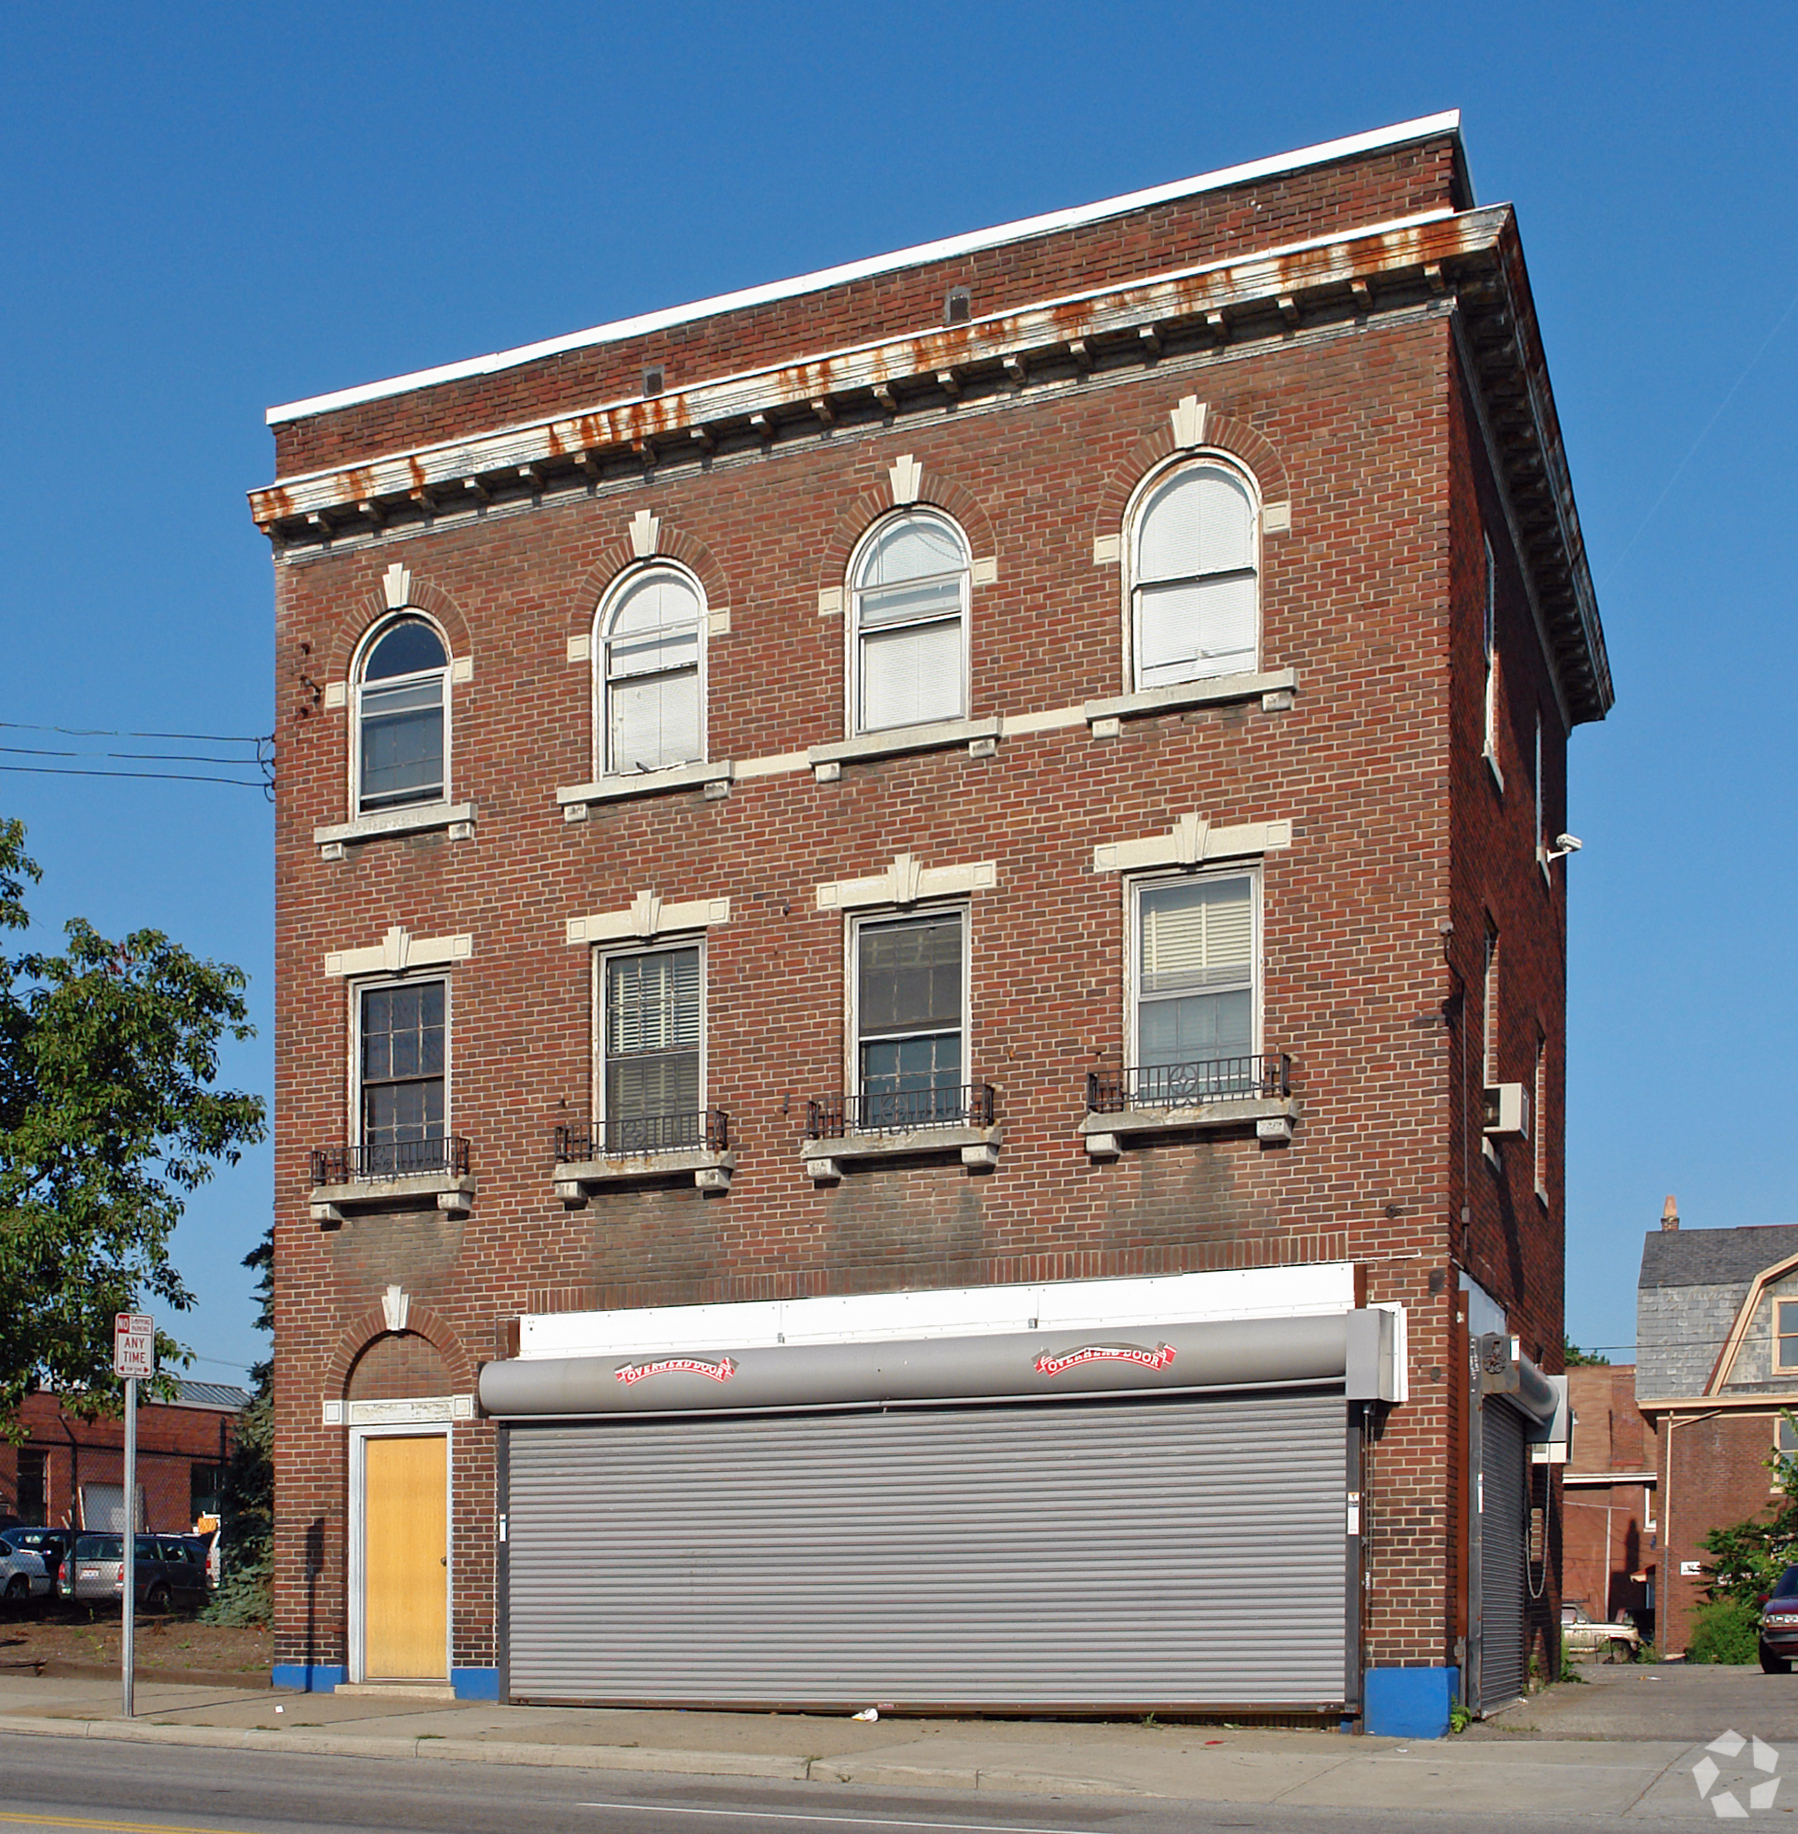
<point>1489,1009</point>
<point>1489,652</point>
<point>1195,576</point>
<point>1785,1334</point>
<point>1194,988</point>
<point>648,690</point>
<point>1785,1439</point>
<point>910,1018</point>
<point>909,632</point>
<point>652,1035</point>
<point>402,742</point>
<point>402,1070</point>
<point>1539,1117</point>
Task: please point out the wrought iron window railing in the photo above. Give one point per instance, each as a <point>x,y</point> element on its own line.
<point>1267,1077</point>
<point>446,1157</point>
<point>832,1117</point>
<point>630,1136</point>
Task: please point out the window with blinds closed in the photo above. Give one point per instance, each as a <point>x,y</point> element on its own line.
<point>648,674</point>
<point>1195,969</point>
<point>652,1025</point>
<point>1196,598</point>
<point>911,601</point>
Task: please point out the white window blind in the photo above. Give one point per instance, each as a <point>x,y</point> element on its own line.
<point>911,617</point>
<point>652,1034</point>
<point>650,685</point>
<point>1197,936</point>
<point>1196,583</point>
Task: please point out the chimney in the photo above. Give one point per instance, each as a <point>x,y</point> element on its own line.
<point>1670,1212</point>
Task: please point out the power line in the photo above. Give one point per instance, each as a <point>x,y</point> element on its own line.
<point>103,732</point>
<point>59,770</point>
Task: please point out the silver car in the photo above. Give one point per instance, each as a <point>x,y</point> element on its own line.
<point>23,1575</point>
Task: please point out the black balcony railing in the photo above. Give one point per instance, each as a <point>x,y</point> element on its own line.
<point>899,1111</point>
<point>446,1157</point>
<point>628,1136</point>
<point>1190,1085</point>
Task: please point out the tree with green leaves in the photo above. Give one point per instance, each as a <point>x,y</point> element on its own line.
<point>109,1116</point>
<point>1747,1557</point>
<point>1573,1357</point>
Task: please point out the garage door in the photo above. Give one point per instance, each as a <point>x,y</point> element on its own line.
<point>1503,1506</point>
<point>1103,1553</point>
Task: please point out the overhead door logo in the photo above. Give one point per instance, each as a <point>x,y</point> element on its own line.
<point>630,1374</point>
<point>1158,1358</point>
<point>1726,1804</point>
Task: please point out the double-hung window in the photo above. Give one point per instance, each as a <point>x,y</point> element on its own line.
<point>1195,973</point>
<point>648,691</point>
<point>909,654</point>
<point>402,1067</point>
<point>652,1033</point>
<point>1489,658</point>
<point>1785,1333</point>
<point>402,753</point>
<point>910,1019</point>
<point>1195,577</point>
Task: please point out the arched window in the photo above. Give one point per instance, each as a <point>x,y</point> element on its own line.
<point>908,659</point>
<point>1195,588</point>
<point>647,691</point>
<point>402,756</point>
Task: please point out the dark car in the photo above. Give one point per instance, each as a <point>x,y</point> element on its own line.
<point>49,1544</point>
<point>171,1570</point>
<point>1779,1625</point>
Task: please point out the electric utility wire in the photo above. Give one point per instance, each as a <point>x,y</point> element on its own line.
<point>263,760</point>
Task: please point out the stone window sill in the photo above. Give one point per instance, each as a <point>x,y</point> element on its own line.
<point>715,779</point>
<point>457,817</point>
<point>978,1146</point>
<point>827,761</point>
<point>1105,1135</point>
<point>331,1203</point>
<point>1274,689</point>
<point>710,1171</point>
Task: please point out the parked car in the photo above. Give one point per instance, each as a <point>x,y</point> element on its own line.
<point>49,1544</point>
<point>22,1575</point>
<point>1582,1635</point>
<point>1779,1625</point>
<point>171,1570</point>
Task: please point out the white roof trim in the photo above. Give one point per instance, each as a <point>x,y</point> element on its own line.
<point>1449,121</point>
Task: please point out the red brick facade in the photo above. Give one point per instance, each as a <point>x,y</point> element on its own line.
<point>1611,1525</point>
<point>1372,425</point>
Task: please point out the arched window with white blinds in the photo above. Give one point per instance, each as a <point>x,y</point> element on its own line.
<point>1196,960</point>
<point>402,737</point>
<point>1195,605</point>
<point>647,673</point>
<point>909,643</point>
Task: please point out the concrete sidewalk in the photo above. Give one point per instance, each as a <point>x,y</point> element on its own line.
<point>1603,1777</point>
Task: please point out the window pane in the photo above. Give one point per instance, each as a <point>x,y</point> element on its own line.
<point>402,744</point>
<point>1200,521</point>
<point>1788,1437</point>
<point>901,1065</point>
<point>910,977</point>
<point>404,649</point>
<point>655,722</point>
<point>1196,628</point>
<point>911,547</point>
<point>652,1036</point>
<point>655,601</point>
<point>639,1087</point>
<point>1196,1028</point>
<point>911,602</point>
<point>911,675</point>
<point>1199,934</point>
<point>654,653</point>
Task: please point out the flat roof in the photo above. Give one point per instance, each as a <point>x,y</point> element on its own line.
<point>1397,135</point>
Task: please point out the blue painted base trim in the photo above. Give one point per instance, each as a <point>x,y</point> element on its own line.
<point>316,1678</point>
<point>475,1683</point>
<point>1410,1702</point>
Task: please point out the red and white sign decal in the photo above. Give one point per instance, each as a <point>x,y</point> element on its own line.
<point>1158,1358</point>
<point>133,1344</point>
<point>632,1373</point>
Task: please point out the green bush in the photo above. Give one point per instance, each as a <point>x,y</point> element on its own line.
<point>1725,1630</point>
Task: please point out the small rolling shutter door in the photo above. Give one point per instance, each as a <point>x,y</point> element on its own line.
<point>1503,1500</point>
<point>1086,1554</point>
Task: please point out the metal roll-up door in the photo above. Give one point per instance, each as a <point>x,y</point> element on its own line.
<point>1504,1502</point>
<point>1094,1554</point>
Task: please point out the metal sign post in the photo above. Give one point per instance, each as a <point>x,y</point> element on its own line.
<point>133,1355</point>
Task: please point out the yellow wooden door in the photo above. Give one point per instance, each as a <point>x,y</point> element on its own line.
<point>405,1572</point>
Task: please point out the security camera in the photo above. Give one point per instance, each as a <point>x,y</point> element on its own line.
<point>1564,845</point>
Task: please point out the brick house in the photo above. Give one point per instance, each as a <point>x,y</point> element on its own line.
<point>1716,1366</point>
<point>921,977</point>
<point>68,1472</point>
<point>1608,1538</point>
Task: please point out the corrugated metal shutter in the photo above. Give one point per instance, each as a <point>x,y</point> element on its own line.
<point>1114,1554</point>
<point>1504,1501</point>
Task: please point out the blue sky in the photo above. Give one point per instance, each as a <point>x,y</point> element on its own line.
<point>213,208</point>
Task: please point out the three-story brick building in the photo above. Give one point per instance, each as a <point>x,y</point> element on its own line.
<point>921,976</point>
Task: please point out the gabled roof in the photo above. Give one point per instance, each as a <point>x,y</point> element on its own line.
<point>1714,1257</point>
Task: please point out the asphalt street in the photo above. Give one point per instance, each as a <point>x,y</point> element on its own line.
<point>98,1786</point>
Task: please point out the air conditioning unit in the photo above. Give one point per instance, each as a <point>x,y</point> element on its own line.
<point>1506,1109</point>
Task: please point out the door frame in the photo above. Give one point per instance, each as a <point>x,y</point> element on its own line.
<point>359,1438</point>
